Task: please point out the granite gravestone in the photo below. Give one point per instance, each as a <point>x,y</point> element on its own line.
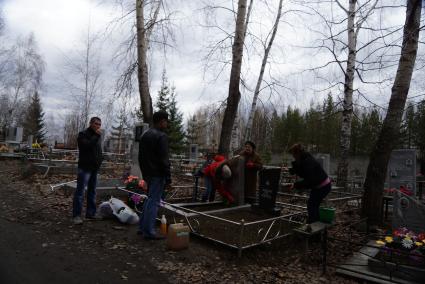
<point>402,170</point>
<point>30,139</point>
<point>193,152</point>
<point>236,183</point>
<point>139,130</point>
<point>14,134</point>
<point>269,186</point>
<point>408,212</point>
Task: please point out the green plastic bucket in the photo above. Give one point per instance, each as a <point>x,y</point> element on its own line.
<point>327,214</point>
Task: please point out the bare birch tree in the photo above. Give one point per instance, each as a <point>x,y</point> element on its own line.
<point>24,68</point>
<point>151,27</point>
<point>234,92</point>
<point>377,168</point>
<point>260,76</point>
<point>83,78</point>
<point>353,29</point>
<point>362,53</point>
<point>143,35</point>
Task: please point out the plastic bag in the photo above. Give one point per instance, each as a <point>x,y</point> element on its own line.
<point>120,210</point>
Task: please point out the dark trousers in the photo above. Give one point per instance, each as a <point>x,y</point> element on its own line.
<point>313,203</point>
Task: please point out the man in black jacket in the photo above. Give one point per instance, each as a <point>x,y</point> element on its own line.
<point>89,161</point>
<point>155,166</point>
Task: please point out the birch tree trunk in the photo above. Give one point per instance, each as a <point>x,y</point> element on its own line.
<point>235,74</point>
<point>353,30</point>
<point>347,113</point>
<point>260,77</point>
<point>377,168</point>
<point>142,67</point>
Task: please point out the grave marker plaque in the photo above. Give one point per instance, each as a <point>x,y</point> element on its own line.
<point>269,186</point>
<point>408,212</point>
<point>402,169</point>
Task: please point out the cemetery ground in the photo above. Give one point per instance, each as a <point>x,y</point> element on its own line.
<point>39,244</point>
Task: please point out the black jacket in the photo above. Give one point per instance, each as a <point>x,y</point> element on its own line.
<point>153,154</point>
<point>90,150</point>
<point>310,170</point>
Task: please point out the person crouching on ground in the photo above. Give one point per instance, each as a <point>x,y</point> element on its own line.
<point>154,164</point>
<point>313,178</point>
<point>89,161</point>
<point>252,165</point>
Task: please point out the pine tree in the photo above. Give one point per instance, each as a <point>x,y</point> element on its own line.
<point>419,128</point>
<point>331,127</point>
<point>163,101</point>
<point>34,120</point>
<point>175,128</point>
<point>407,128</point>
<point>167,102</point>
<point>355,133</point>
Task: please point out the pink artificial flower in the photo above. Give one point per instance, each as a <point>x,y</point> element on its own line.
<point>136,198</point>
<point>142,184</point>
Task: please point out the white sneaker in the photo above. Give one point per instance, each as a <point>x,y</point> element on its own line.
<point>77,220</point>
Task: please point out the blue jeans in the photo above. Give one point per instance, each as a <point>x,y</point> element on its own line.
<point>209,193</point>
<point>85,179</point>
<point>150,208</point>
<point>313,203</point>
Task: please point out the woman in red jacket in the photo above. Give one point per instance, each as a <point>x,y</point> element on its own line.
<point>218,171</point>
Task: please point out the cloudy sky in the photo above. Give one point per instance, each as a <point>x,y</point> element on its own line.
<point>60,27</point>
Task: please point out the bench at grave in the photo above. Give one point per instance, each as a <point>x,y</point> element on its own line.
<point>316,229</point>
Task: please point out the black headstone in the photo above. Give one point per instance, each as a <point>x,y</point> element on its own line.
<point>269,186</point>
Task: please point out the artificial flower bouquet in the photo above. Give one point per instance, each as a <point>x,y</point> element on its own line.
<point>134,183</point>
<point>404,245</point>
<point>138,186</point>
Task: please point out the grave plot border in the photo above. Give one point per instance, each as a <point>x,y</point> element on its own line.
<point>340,202</point>
<point>242,226</point>
<point>117,184</point>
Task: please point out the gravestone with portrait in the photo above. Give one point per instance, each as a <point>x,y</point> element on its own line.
<point>268,188</point>
<point>408,211</point>
<point>402,170</point>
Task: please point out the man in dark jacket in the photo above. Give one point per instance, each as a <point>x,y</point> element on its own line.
<point>155,166</point>
<point>89,161</point>
<point>313,177</point>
